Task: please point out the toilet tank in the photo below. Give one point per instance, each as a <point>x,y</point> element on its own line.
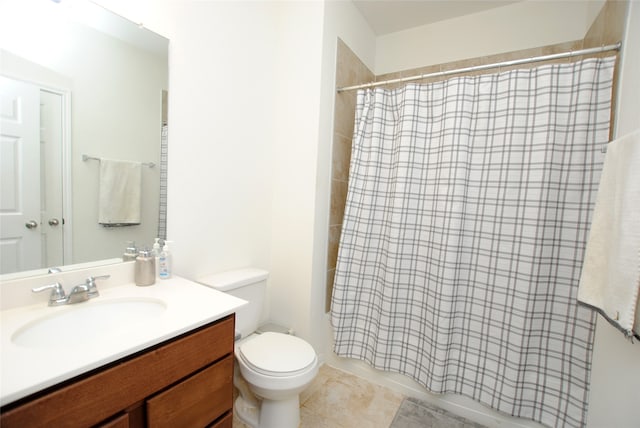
<point>249,284</point>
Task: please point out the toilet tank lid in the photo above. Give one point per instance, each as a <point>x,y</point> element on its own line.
<point>231,279</point>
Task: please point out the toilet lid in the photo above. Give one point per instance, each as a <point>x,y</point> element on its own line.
<point>277,353</point>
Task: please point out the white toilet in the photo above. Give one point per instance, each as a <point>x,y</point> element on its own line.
<point>276,366</point>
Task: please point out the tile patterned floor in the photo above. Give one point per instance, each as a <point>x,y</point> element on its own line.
<point>337,399</point>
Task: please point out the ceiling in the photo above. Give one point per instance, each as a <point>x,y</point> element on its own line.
<point>389,16</point>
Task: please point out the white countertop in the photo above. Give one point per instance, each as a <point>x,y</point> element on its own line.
<point>25,370</point>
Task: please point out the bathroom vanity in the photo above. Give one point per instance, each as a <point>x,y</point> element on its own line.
<point>187,381</point>
<point>172,366</point>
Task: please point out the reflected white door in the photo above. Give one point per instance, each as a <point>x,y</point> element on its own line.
<point>51,106</point>
<point>20,228</point>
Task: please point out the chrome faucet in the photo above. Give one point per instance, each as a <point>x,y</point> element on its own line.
<point>79,293</point>
<point>92,290</point>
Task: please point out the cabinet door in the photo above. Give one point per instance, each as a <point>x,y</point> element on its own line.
<point>195,402</point>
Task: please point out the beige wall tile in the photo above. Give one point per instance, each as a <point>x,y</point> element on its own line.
<point>341,157</point>
<point>334,240</point>
<point>329,290</point>
<point>608,27</point>
<point>345,108</point>
<point>615,19</point>
<point>338,201</point>
<point>350,71</point>
<point>409,73</point>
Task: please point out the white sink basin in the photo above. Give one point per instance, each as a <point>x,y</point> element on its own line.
<point>84,323</point>
<point>60,343</point>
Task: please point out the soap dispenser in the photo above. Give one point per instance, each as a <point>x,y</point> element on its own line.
<point>130,253</point>
<point>156,250</point>
<point>145,268</point>
<point>165,262</point>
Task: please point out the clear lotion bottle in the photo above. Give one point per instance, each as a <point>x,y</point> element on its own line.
<point>155,252</point>
<point>165,262</point>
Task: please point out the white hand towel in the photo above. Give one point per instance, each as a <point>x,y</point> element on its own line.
<point>120,193</point>
<point>610,279</point>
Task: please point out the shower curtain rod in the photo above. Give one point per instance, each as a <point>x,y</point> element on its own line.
<point>560,55</point>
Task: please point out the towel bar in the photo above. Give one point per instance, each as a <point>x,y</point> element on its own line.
<point>87,157</point>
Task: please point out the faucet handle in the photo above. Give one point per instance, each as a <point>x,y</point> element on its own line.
<point>91,284</point>
<point>57,292</point>
<point>91,281</point>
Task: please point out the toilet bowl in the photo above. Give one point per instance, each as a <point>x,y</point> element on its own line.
<point>276,366</point>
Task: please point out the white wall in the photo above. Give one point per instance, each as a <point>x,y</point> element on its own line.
<point>222,135</point>
<point>248,181</point>
<point>343,20</point>
<point>296,104</point>
<point>245,81</point>
<point>514,27</point>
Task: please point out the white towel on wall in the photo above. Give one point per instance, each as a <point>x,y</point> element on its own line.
<point>610,279</point>
<point>120,193</point>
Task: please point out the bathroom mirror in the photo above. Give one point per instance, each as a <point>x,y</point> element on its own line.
<point>99,86</point>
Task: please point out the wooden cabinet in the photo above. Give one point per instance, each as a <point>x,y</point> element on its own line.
<point>194,402</point>
<point>186,381</point>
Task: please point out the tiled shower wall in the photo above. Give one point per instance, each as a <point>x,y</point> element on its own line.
<point>350,71</point>
<point>608,28</point>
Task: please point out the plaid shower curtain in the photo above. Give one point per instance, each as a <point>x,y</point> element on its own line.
<point>467,216</point>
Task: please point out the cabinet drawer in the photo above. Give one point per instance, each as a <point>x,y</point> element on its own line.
<point>196,401</point>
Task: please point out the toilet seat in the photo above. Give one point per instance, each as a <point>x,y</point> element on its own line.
<point>277,354</point>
